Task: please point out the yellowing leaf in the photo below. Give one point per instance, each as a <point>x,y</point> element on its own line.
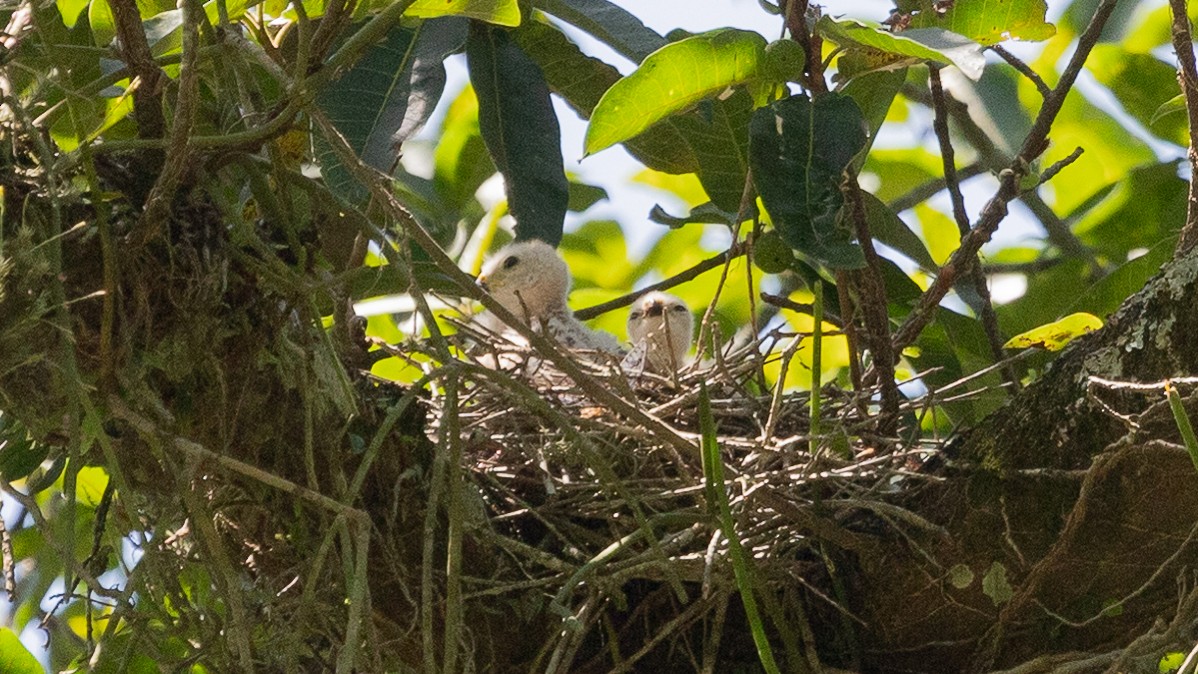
<point>498,12</point>
<point>1054,336</point>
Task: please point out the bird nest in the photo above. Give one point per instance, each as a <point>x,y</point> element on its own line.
<point>587,502</point>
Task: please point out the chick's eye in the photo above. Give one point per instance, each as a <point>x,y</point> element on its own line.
<point>677,307</point>
<point>511,262</point>
<point>635,315</point>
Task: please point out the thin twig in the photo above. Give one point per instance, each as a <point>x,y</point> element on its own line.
<point>1023,68</point>
<point>994,159</point>
<point>734,251</point>
<point>996,209</point>
<point>976,278</point>
<point>1187,76</point>
<point>872,294</point>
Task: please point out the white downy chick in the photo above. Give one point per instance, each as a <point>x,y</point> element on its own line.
<point>660,327</point>
<point>532,281</point>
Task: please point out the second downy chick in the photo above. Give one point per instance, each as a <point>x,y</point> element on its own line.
<point>660,327</point>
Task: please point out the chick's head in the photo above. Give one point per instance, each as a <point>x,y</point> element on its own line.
<point>664,324</point>
<point>528,278</point>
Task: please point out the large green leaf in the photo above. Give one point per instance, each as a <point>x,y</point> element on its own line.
<point>937,45</point>
<point>720,141</point>
<point>387,96</point>
<point>1144,208</point>
<point>985,21</point>
<point>498,12</point>
<point>581,81</point>
<point>609,24</point>
<point>460,162</point>
<point>14,657</point>
<point>874,93</point>
<point>673,79</point>
<point>1142,83</point>
<point>886,226</point>
<point>521,131</point>
<point>799,150</point>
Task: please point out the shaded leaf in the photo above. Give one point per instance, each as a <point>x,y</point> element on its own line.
<point>1143,209</point>
<point>386,97</point>
<point>521,132</point>
<point>707,213</point>
<point>921,44</point>
<point>874,93</point>
<point>984,21</point>
<point>583,196</point>
<point>1144,85</point>
<point>498,12</point>
<point>1054,336</point>
<point>886,226</point>
<point>20,455</point>
<point>720,143</point>
<point>608,23</point>
<point>581,81</point>
<point>799,150</point>
<point>673,79</point>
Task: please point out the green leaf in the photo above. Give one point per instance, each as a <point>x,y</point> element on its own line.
<point>1111,152</point>
<point>521,131</point>
<point>1143,84</point>
<point>1141,210</point>
<point>996,586</point>
<point>720,142</point>
<point>103,25</point>
<point>70,11</point>
<point>1171,662</point>
<point>460,162</point>
<point>919,44</point>
<point>1054,336</point>
<point>886,226</point>
<point>583,196</point>
<point>1169,107</point>
<point>673,79</point>
<point>20,455</point>
<point>707,213</point>
<point>717,503</point>
<point>608,23</point>
<point>386,97</point>
<point>14,657</point>
<point>581,81</point>
<point>874,94</point>
<point>984,21</point>
<point>498,12</point>
<point>799,151</point>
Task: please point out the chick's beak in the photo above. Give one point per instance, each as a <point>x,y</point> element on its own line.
<point>655,309</point>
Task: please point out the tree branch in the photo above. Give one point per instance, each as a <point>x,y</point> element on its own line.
<point>1187,76</point>
<point>135,51</point>
<point>1023,68</point>
<point>736,250</point>
<point>949,161</point>
<point>872,293</point>
<point>1008,189</point>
